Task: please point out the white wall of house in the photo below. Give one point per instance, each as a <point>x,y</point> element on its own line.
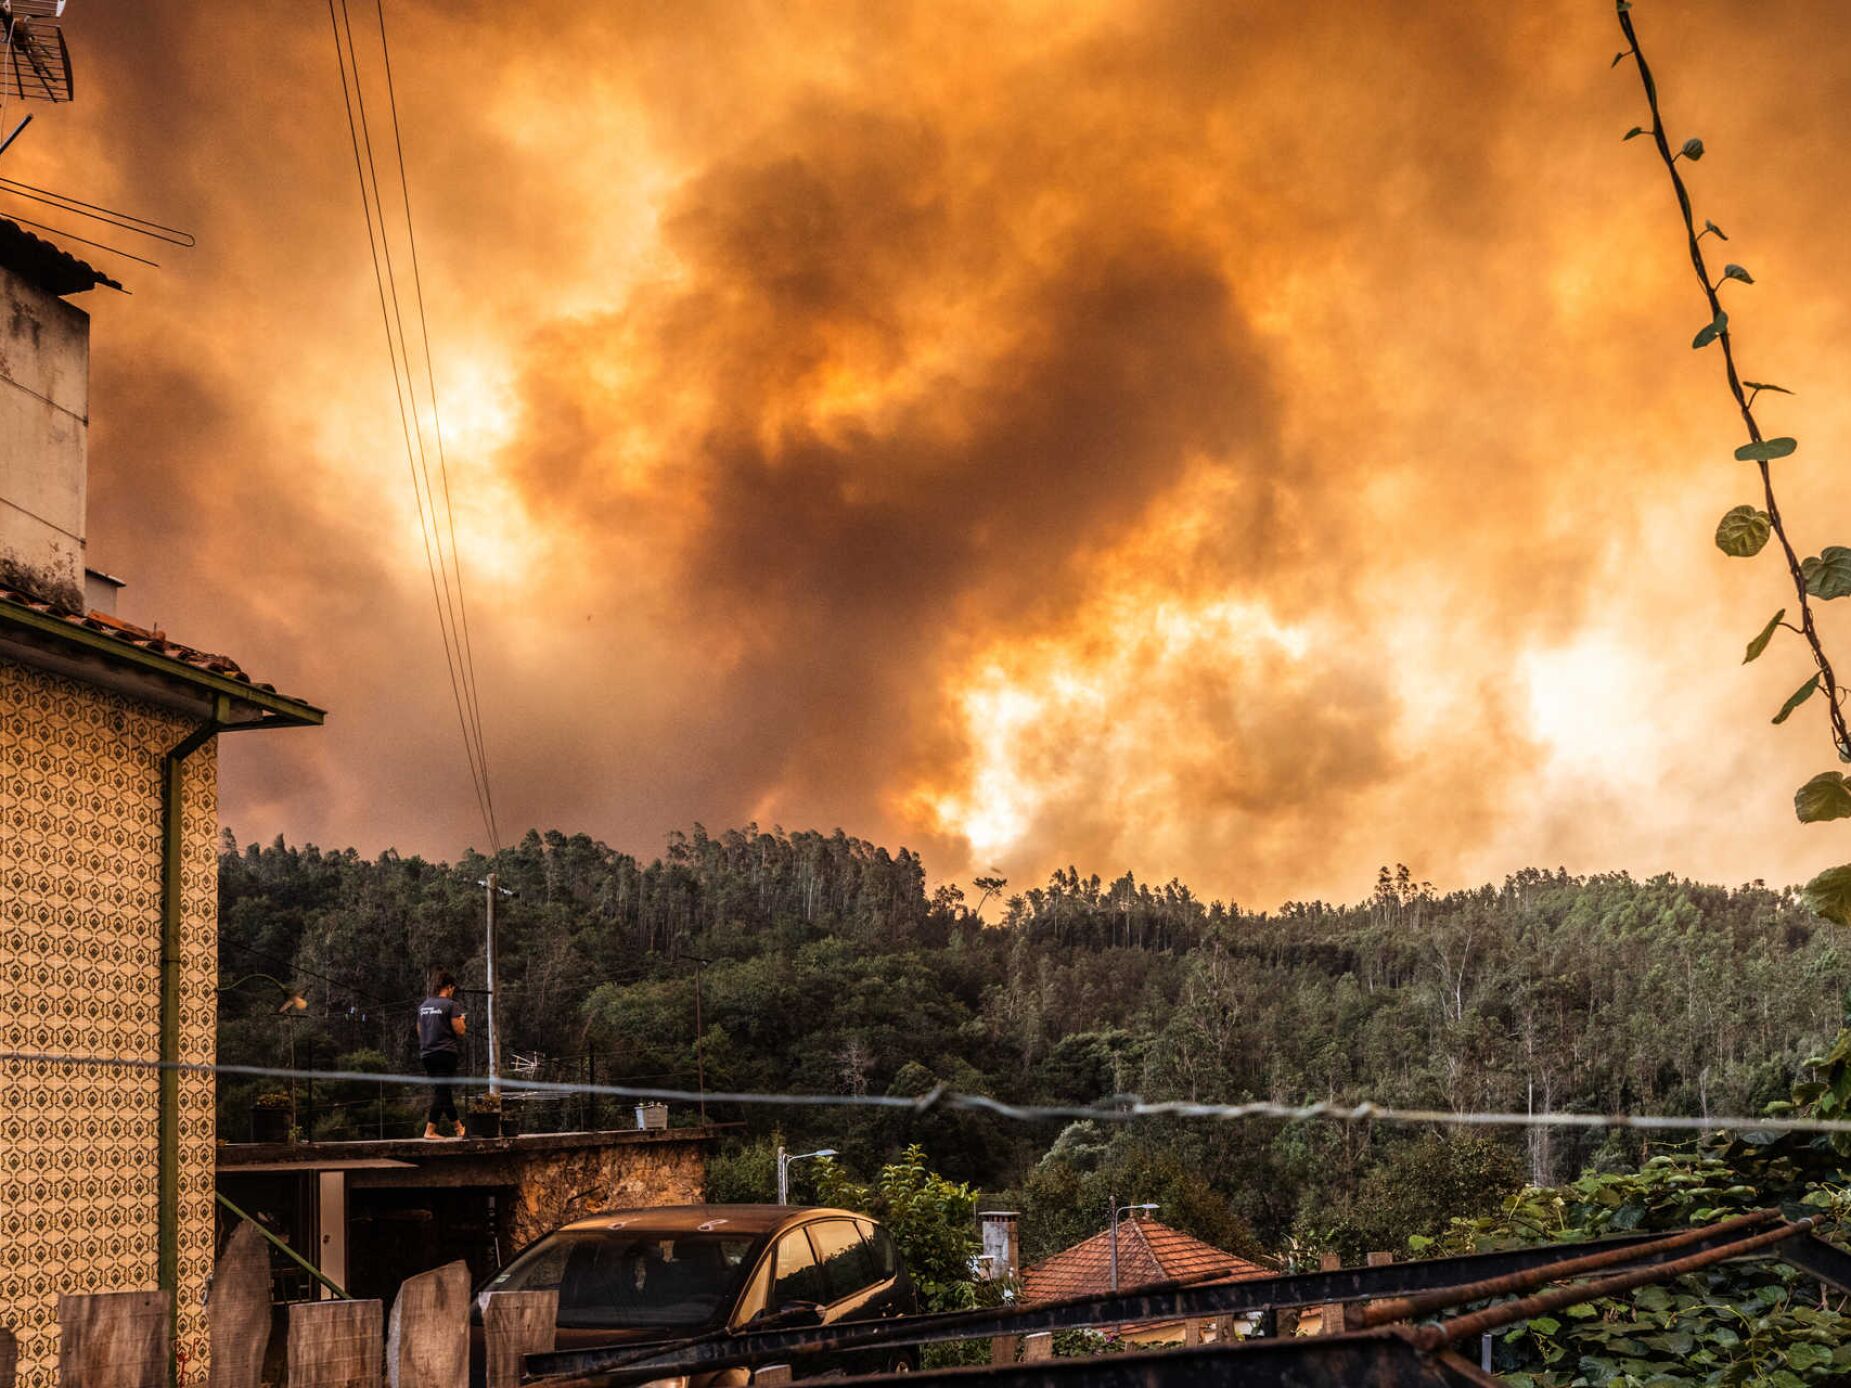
<point>44,426</point>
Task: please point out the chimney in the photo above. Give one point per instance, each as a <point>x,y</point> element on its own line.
<point>1002,1248</point>
<point>44,421</point>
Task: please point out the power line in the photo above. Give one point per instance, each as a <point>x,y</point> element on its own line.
<point>402,386</point>
<point>1127,1109</point>
<point>452,629</point>
<point>443,465</point>
<point>73,236</point>
<point>114,217</point>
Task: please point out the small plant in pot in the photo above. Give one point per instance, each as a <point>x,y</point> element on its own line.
<point>270,1116</point>
<point>482,1118</point>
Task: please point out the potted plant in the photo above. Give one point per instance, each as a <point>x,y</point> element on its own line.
<point>270,1116</point>
<point>482,1117</point>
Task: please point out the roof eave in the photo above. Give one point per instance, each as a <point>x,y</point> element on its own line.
<point>260,707</point>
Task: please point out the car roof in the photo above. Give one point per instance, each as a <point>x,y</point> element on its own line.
<point>737,1219</point>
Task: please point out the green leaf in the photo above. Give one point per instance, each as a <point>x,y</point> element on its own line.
<point>1802,1355</point>
<point>1798,697</point>
<point>1828,576</point>
<point>1825,796</point>
<point>1711,331</point>
<point>1714,230</point>
<point>1634,133</point>
<point>1693,149</point>
<point>1736,272</point>
<point>1763,385</point>
<point>1765,450</point>
<point>1759,644</point>
<point>1545,1325</point>
<point>1742,532</point>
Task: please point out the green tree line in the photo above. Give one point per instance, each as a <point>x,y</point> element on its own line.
<point>827,966</point>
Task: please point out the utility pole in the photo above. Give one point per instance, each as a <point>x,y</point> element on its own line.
<point>1114,1242</point>
<point>492,884</point>
<point>700,1062</point>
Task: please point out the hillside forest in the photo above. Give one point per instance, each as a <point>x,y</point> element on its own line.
<point>824,964</point>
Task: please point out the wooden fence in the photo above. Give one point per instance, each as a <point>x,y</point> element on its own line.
<point>123,1339</point>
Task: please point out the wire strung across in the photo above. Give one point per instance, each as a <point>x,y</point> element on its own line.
<point>1124,1109</point>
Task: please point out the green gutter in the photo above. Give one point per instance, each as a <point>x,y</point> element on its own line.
<point>173,844</point>
<point>126,653</point>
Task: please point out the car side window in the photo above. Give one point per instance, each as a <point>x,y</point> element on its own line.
<point>884,1257</point>
<point>848,1268</point>
<point>797,1277</point>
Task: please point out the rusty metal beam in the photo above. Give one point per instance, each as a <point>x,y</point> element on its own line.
<point>1405,1308</point>
<point>627,1364</point>
<point>1812,1254</point>
<point>1510,1312</point>
<point>1385,1358</point>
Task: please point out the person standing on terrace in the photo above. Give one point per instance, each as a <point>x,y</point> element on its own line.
<point>440,1023</point>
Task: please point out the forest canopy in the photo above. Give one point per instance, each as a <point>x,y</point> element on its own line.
<point>826,965</point>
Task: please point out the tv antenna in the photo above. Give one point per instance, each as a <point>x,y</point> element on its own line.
<point>38,63</point>
<point>35,64</point>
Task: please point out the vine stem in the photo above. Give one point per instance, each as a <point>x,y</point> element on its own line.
<point>1841,739</point>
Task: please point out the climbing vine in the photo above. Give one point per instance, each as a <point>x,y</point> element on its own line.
<point>1744,530</point>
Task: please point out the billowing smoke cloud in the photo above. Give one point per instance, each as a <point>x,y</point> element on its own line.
<point>1242,442</point>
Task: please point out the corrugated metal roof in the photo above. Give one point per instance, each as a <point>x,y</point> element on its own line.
<point>52,268</point>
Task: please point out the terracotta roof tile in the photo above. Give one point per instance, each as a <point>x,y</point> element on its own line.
<point>129,634</point>
<point>50,266</point>
<point>1148,1251</point>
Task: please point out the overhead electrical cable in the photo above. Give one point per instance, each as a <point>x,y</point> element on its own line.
<point>430,377</point>
<point>411,426</point>
<point>444,565</point>
<point>1125,1109</point>
<point>127,221</point>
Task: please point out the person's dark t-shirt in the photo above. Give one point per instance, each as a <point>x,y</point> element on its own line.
<point>434,1030</point>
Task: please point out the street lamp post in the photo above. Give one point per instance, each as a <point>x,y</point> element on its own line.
<point>1117,1210</point>
<point>784,1169</point>
<point>292,1000</point>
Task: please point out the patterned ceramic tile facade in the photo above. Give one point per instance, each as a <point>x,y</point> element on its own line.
<point>80,880</point>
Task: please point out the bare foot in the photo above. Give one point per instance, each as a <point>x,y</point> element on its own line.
<point>461,1131</point>
<point>431,1134</point>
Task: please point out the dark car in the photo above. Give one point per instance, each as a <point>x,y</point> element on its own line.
<point>635,1276</point>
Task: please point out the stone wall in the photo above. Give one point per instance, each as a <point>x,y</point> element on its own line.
<point>553,1178</point>
<point>555,1188</point>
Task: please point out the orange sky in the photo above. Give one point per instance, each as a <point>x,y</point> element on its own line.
<point>1251,442</point>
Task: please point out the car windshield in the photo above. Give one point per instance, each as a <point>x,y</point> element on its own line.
<point>626,1278</point>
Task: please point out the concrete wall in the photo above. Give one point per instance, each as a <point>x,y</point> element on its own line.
<point>44,422</point>
<point>80,946</point>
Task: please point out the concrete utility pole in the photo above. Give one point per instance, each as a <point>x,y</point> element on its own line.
<point>492,883</point>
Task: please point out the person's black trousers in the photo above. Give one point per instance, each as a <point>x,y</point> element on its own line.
<point>441,1067</point>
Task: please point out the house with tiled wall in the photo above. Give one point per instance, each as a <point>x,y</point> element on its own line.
<point>109,738</point>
